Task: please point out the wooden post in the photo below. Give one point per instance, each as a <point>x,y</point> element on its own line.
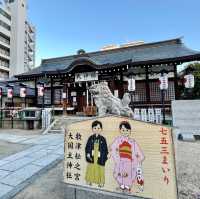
<point>176,82</point>
<point>148,99</point>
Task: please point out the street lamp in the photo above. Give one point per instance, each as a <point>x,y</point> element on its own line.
<point>163,80</point>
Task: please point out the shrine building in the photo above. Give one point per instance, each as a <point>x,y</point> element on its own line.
<point>67,79</point>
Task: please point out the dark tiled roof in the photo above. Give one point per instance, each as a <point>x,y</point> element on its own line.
<point>169,49</point>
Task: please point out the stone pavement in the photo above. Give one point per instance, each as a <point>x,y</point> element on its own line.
<point>18,170</point>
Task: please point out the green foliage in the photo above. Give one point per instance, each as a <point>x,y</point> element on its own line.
<point>195,92</point>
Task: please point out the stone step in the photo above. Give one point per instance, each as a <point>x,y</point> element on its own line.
<point>55,131</point>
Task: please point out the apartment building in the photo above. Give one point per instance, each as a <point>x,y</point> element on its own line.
<point>17,39</point>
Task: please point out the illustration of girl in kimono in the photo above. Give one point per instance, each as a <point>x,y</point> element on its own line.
<point>128,159</point>
<point>96,153</point>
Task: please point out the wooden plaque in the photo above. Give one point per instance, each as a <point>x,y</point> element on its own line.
<point>121,155</point>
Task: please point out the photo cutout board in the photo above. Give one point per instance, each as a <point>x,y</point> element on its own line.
<point>120,155</point>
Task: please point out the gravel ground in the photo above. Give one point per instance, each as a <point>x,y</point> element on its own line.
<point>7,148</point>
<point>188,170</point>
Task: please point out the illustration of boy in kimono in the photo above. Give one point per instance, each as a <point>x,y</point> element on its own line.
<point>128,159</point>
<point>96,153</point>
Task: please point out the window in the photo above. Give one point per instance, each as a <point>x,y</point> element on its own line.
<point>4,51</point>
<point>6,26</point>
<point>5,14</point>
<point>4,63</point>
<point>4,39</point>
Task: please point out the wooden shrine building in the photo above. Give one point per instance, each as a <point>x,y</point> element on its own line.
<point>72,75</point>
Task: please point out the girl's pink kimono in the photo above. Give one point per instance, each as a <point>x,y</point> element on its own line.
<point>128,158</point>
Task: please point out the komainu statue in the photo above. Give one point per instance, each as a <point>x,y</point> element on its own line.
<point>107,103</point>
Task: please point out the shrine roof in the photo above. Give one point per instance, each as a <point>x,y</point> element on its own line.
<point>147,53</point>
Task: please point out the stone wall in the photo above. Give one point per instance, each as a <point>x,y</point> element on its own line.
<point>186,115</point>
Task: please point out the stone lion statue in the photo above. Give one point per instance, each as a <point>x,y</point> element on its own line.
<point>107,103</point>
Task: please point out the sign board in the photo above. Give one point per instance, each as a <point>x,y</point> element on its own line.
<point>46,117</point>
<point>122,156</point>
<point>23,92</point>
<point>189,81</point>
<point>10,93</point>
<point>163,82</point>
<point>131,84</point>
<point>87,76</point>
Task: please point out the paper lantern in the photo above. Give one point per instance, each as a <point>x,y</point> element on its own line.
<point>40,91</point>
<point>163,80</point>
<point>189,81</point>
<point>10,93</point>
<point>131,84</point>
<point>64,95</point>
<point>1,93</point>
<point>23,92</point>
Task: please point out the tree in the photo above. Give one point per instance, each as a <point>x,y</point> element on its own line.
<point>195,92</point>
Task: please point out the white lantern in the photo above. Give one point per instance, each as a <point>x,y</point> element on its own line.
<point>40,91</point>
<point>64,95</point>
<point>189,81</point>
<point>23,92</point>
<point>131,84</point>
<point>10,93</point>
<point>163,82</point>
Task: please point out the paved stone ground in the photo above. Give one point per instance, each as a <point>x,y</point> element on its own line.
<point>20,169</point>
<point>17,170</point>
<point>7,148</point>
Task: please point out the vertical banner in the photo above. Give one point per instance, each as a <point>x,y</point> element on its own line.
<point>122,156</point>
<point>158,116</point>
<point>151,115</point>
<point>144,114</point>
<point>137,114</point>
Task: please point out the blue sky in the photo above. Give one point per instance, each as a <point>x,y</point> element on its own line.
<point>64,26</point>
